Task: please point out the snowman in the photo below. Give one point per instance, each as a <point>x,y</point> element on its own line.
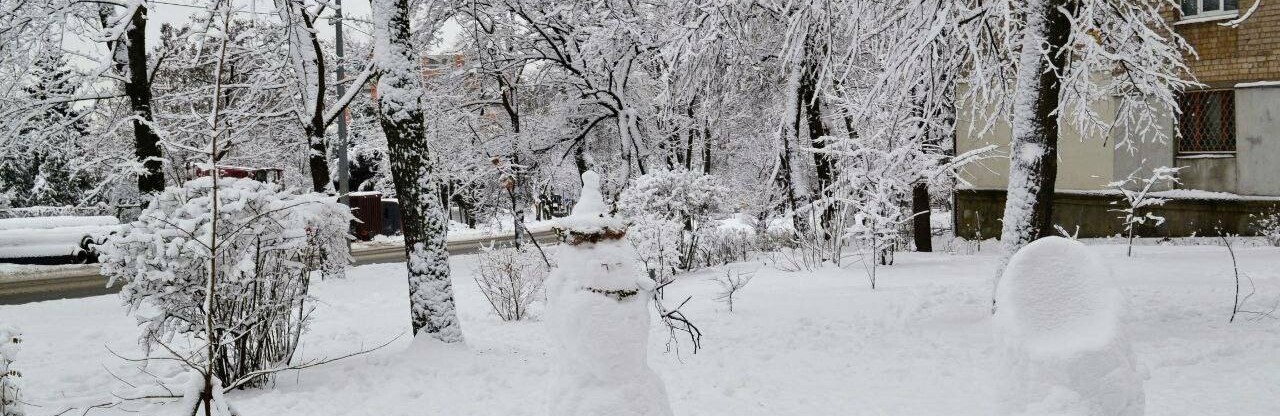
<point>599,318</point>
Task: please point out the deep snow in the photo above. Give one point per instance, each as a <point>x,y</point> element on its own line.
<point>817,343</point>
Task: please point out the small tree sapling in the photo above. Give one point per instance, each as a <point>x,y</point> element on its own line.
<point>730,284</point>
<point>1136,200</point>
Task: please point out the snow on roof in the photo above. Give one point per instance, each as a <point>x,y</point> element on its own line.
<point>1258,84</point>
<point>56,222</point>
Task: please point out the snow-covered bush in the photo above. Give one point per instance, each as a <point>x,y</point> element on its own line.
<point>10,397</point>
<point>686,198</point>
<point>268,241</point>
<point>510,279</point>
<point>656,242</point>
<point>599,320</point>
<point>1058,317</point>
<point>1268,226</point>
<point>732,240</point>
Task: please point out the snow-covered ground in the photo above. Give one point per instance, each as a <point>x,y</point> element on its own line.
<point>817,343</point>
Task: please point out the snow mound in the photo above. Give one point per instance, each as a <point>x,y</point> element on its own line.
<point>1058,319</point>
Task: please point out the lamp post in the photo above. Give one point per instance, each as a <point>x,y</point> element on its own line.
<point>344,174</point>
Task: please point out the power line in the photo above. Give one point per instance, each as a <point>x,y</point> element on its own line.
<point>206,8</point>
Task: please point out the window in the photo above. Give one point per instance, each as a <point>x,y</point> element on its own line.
<point>1207,8</point>
<point>1208,122</point>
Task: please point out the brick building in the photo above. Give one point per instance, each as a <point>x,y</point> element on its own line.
<point>1227,139</point>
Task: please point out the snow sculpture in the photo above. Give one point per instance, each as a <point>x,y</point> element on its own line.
<point>10,338</point>
<point>599,319</point>
<point>1058,318</point>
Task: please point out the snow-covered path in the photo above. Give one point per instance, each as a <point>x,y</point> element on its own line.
<point>817,343</point>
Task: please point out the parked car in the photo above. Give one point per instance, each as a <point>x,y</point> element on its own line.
<point>54,240</point>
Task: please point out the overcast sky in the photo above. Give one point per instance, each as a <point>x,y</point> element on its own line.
<point>178,12</point>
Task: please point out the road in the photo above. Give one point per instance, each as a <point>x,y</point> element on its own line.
<point>78,281</point>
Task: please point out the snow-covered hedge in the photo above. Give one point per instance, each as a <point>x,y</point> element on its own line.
<point>10,340</point>
<point>1058,317</point>
<point>730,240</point>
<point>268,242</point>
<point>660,202</point>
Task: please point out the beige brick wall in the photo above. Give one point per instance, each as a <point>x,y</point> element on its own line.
<point>1250,52</point>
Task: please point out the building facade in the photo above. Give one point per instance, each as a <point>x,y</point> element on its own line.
<point>1227,140</point>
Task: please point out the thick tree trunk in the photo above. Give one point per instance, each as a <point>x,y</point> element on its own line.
<point>1033,157</point>
<point>921,229</point>
<point>318,160</point>
<point>431,302</point>
<point>146,143</point>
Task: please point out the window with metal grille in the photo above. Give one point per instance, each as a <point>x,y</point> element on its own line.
<point>1208,122</point>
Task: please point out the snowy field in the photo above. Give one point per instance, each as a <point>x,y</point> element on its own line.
<point>799,343</point>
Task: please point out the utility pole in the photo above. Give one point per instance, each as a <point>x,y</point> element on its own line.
<point>344,174</point>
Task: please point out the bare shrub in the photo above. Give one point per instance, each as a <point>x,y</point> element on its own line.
<point>730,284</point>
<point>510,279</point>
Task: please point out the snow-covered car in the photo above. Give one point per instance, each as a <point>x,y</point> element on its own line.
<point>54,240</point>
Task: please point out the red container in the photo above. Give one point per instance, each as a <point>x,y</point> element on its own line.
<point>367,208</point>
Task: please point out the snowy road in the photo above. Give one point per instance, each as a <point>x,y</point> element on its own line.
<point>40,283</point>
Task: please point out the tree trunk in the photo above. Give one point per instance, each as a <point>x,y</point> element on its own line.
<point>1034,153</point>
<point>146,143</point>
<point>785,180</point>
<point>785,177</point>
<point>706,147</point>
<point>318,160</point>
<point>921,228</point>
<point>403,122</point>
<point>812,105</point>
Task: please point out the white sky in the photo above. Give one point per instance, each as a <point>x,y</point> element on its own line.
<point>178,12</point>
